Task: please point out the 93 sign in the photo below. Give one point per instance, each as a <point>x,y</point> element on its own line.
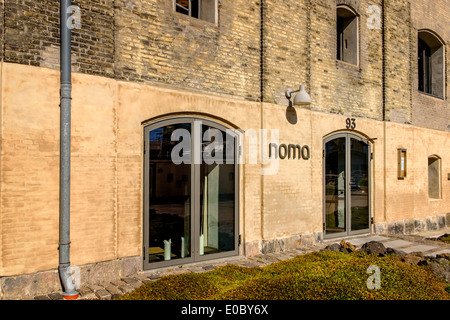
<point>351,123</point>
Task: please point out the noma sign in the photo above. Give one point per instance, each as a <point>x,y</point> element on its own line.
<point>290,151</point>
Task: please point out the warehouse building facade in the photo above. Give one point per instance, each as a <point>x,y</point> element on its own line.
<point>186,147</point>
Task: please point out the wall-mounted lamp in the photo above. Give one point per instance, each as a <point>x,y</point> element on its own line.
<point>302,98</point>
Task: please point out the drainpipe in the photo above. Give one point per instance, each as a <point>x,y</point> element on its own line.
<point>64,184</point>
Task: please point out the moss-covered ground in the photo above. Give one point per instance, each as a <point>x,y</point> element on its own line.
<point>315,276</point>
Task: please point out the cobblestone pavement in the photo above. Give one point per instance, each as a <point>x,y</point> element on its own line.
<point>114,289</point>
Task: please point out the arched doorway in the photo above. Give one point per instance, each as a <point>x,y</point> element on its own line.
<point>190,192</point>
<point>346,174</point>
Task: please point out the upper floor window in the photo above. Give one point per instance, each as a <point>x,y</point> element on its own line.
<point>431,64</point>
<point>200,9</point>
<point>347,35</point>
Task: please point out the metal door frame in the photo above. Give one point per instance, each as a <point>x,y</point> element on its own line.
<point>195,196</point>
<point>348,164</point>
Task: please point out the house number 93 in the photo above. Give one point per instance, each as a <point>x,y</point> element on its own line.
<point>351,123</point>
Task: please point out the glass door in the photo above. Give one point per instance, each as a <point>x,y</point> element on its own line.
<point>359,185</point>
<point>217,182</point>
<point>190,192</point>
<point>168,198</point>
<point>335,190</point>
<point>346,185</point>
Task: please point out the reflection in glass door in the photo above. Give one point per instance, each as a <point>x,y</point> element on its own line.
<point>346,185</point>
<point>190,188</point>
<point>217,196</point>
<point>359,185</point>
<point>335,175</point>
<point>169,201</point>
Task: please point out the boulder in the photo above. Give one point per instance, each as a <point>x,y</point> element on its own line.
<point>374,247</point>
<point>343,246</point>
<point>333,247</point>
<point>395,252</point>
<point>347,247</point>
<point>445,256</point>
<point>441,270</point>
<point>415,258</point>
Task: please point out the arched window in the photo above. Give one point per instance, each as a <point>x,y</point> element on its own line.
<point>347,35</point>
<point>434,177</point>
<point>191,176</point>
<point>431,66</point>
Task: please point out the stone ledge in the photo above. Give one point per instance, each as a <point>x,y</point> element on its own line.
<point>413,226</point>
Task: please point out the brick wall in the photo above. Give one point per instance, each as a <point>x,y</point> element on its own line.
<point>146,41</point>
<point>300,48</point>
<point>340,87</point>
<point>431,112</point>
<point>154,43</point>
<point>398,61</point>
<point>32,35</point>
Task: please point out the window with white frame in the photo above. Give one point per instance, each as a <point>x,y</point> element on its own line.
<point>200,9</point>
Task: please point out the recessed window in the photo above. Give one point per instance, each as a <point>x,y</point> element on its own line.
<point>200,9</point>
<point>347,35</point>
<point>431,64</point>
<point>434,177</point>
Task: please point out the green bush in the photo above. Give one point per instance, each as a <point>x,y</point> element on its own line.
<point>315,276</point>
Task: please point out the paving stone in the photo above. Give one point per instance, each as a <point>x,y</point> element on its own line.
<point>154,276</point>
<point>419,248</point>
<point>103,294</point>
<point>142,278</point>
<point>44,297</point>
<point>397,244</point>
<point>114,291</point>
<point>133,282</point>
<point>56,296</point>
<point>435,253</point>
<point>118,283</point>
<point>84,290</point>
<point>360,241</point>
<point>210,267</point>
<point>89,296</point>
<point>126,288</point>
<point>95,287</point>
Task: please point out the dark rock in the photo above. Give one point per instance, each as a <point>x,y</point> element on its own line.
<point>443,256</point>
<point>374,247</point>
<point>415,258</point>
<point>395,252</point>
<point>347,247</point>
<point>209,267</point>
<point>55,296</point>
<point>333,248</point>
<point>441,270</point>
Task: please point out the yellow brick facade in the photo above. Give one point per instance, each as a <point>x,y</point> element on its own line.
<point>234,73</point>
